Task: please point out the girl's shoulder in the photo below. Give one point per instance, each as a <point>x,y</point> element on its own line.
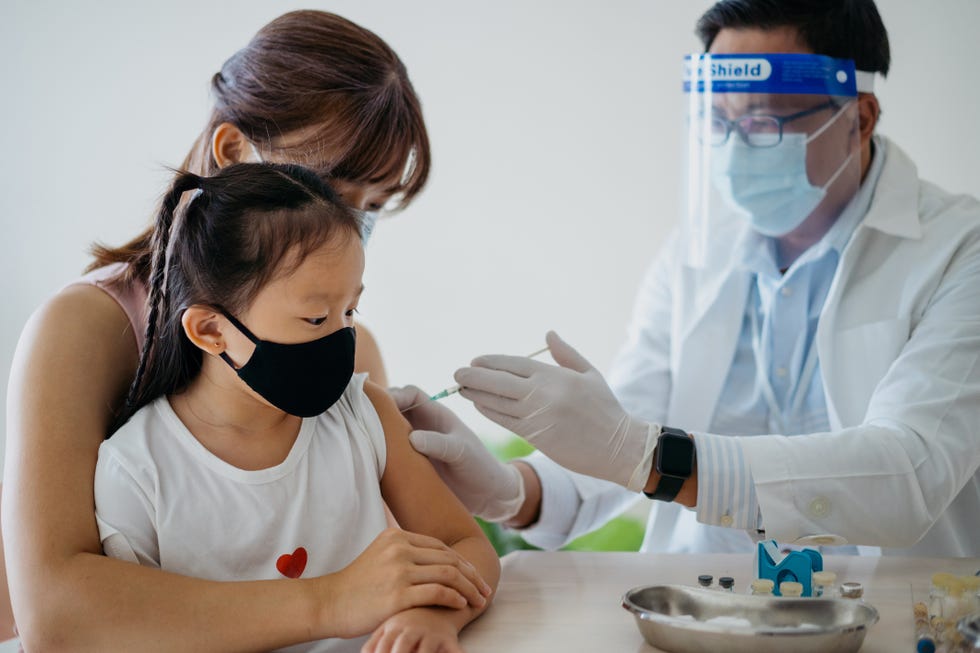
<point>134,438</point>
<point>136,450</point>
<point>355,411</point>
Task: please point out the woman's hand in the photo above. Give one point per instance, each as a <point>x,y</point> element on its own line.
<point>422,630</point>
<point>398,571</point>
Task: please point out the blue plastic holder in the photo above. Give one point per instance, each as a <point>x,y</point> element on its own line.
<point>797,566</point>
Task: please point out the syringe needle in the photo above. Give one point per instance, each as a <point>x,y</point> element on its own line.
<point>456,388</point>
<point>445,393</point>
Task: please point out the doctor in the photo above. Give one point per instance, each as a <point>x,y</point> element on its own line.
<point>804,355</point>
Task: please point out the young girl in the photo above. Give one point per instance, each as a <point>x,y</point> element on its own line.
<point>310,87</point>
<point>251,452</point>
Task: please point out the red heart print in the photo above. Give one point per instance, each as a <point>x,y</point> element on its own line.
<point>292,566</point>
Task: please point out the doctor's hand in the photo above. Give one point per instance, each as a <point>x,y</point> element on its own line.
<point>489,489</point>
<point>568,412</point>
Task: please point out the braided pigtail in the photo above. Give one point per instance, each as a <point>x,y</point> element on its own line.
<point>250,223</point>
<point>157,295</point>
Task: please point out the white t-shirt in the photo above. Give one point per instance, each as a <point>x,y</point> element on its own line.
<point>165,501</point>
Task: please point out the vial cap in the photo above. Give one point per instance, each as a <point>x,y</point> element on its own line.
<point>824,577</point>
<point>943,579</point>
<point>791,588</point>
<point>726,582</point>
<point>971,583</point>
<point>762,585</point>
<point>851,590</point>
<point>704,580</point>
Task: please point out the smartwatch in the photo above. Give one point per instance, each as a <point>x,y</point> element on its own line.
<point>674,461</point>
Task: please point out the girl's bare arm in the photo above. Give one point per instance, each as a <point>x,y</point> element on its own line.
<point>423,504</point>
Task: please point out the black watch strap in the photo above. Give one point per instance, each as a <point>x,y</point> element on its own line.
<point>669,485</point>
<point>667,488</point>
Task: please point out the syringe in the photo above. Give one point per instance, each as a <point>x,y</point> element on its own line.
<point>453,389</point>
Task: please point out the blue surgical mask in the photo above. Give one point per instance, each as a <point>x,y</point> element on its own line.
<point>770,184</point>
<point>367,219</point>
<point>255,151</point>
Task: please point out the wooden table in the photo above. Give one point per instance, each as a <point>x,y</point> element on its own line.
<point>571,601</point>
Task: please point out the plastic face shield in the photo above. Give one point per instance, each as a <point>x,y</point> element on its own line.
<point>772,141</point>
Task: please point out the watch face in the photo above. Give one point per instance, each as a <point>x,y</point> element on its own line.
<point>675,455</point>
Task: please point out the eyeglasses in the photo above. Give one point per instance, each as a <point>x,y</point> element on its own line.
<point>755,130</point>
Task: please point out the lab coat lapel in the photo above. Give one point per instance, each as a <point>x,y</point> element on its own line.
<point>707,345</point>
<point>850,333</point>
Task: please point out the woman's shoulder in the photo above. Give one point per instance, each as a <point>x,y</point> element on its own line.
<point>83,319</point>
<point>126,293</point>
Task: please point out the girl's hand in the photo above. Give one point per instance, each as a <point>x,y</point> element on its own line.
<point>398,571</point>
<point>421,630</point>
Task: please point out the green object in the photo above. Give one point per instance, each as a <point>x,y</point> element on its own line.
<point>619,534</point>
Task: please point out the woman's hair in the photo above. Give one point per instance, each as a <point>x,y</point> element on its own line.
<point>241,228</point>
<point>319,75</point>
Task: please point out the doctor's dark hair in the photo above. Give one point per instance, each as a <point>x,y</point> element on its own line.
<point>219,247</point>
<point>845,29</point>
<point>337,91</point>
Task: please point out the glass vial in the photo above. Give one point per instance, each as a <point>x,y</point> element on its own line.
<point>791,589</point>
<point>823,583</point>
<point>851,590</point>
<point>762,587</point>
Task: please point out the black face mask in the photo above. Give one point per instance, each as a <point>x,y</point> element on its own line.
<point>303,379</point>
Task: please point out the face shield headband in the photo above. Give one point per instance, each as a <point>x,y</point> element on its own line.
<point>759,107</point>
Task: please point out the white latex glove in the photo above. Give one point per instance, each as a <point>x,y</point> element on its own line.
<point>567,412</point>
<point>487,487</point>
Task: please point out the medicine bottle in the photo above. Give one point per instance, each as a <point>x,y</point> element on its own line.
<point>823,583</point>
<point>851,590</point>
<point>762,587</point>
<point>791,589</point>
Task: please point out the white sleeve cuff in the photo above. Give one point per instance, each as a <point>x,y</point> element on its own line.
<point>726,493</point>
<point>560,503</point>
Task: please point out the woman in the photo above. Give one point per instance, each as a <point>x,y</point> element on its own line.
<point>310,88</point>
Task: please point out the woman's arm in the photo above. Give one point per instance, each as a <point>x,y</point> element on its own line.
<point>423,504</point>
<point>6,612</point>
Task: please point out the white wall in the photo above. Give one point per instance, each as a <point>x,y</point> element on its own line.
<point>554,125</point>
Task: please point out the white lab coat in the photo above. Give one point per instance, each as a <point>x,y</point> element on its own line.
<point>899,349</point>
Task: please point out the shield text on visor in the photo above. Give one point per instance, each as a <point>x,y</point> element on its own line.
<point>772,139</point>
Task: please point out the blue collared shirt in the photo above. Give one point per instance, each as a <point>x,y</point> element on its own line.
<point>770,387</point>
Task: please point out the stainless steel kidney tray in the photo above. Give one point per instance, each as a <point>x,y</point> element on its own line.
<point>683,619</point>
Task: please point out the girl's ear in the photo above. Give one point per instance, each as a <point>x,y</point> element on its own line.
<point>202,325</point>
